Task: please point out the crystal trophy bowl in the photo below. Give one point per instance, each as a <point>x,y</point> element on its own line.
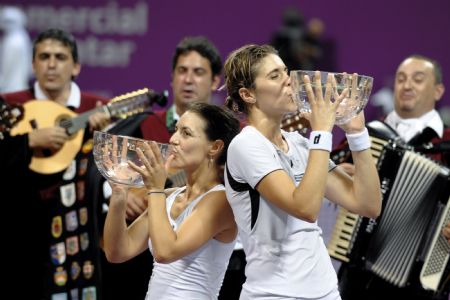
<point>359,88</point>
<point>113,152</point>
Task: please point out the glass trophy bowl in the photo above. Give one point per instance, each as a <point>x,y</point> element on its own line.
<point>359,88</point>
<point>113,152</point>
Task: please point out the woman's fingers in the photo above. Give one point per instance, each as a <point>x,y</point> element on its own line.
<point>309,91</point>
<point>315,90</point>
<point>168,162</point>
<point>318,86</point>
<point>156,152</point>
<point>123,154</point>
<point>341,97</point>
<point>146,162</point>
<point>114,149</point>
<point>140,170</point>
<point>150,156</point>
<point>354,86</point>
<point>306,115</point>
<point>146,154</point>
<point>328,88</point>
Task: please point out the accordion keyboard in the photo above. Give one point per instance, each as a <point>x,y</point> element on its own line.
<point>346,222</point>
<point>341,238</point>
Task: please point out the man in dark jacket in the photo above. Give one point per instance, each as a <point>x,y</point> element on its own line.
<point>52,245</point>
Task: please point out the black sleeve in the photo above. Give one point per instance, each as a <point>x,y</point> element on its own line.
<point>14,152</point>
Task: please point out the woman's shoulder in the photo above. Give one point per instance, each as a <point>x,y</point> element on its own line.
<point>216,191</point>
<point>248,135</point>
<point>218,187</point>
<point>212,200</point>
<point>246,131</point>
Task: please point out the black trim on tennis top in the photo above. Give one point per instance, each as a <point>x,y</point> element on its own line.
<point>242,187</point>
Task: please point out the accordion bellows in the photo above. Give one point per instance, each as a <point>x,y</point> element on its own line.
<point>408,232</point>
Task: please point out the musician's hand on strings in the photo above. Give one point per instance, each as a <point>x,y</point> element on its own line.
<point>98,120</point>
<point>446,232</point>
<point>52,138</point>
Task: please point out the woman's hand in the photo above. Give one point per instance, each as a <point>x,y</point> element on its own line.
<point>119,193</point>
<point>356,124</point>
<point>153,171</point>
<point>136,203</point>
<point>323,111</point>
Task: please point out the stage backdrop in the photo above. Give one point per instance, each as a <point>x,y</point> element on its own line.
<point>128,45</point>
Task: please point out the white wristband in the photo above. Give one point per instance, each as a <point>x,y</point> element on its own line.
<point>358,141</point>
<point>320,140</point>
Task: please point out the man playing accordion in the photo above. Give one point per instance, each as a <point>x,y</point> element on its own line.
<point>418,86</point>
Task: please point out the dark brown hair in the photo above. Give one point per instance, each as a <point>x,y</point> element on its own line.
<point>221,124</point>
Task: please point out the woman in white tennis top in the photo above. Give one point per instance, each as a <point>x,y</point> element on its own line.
<point>190,230</point>
<point>276,180</point>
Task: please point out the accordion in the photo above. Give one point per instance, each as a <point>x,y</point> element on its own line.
<point>405,241</point>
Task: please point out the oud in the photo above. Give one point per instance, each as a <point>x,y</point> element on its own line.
<point>46,113</point>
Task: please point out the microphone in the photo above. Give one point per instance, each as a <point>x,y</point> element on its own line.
<point>160,99</point>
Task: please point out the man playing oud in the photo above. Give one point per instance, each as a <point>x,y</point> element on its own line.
<point>57,244</point>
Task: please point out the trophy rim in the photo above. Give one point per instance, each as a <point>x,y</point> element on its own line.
<point>329,72</point>
<point>97,132</point>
